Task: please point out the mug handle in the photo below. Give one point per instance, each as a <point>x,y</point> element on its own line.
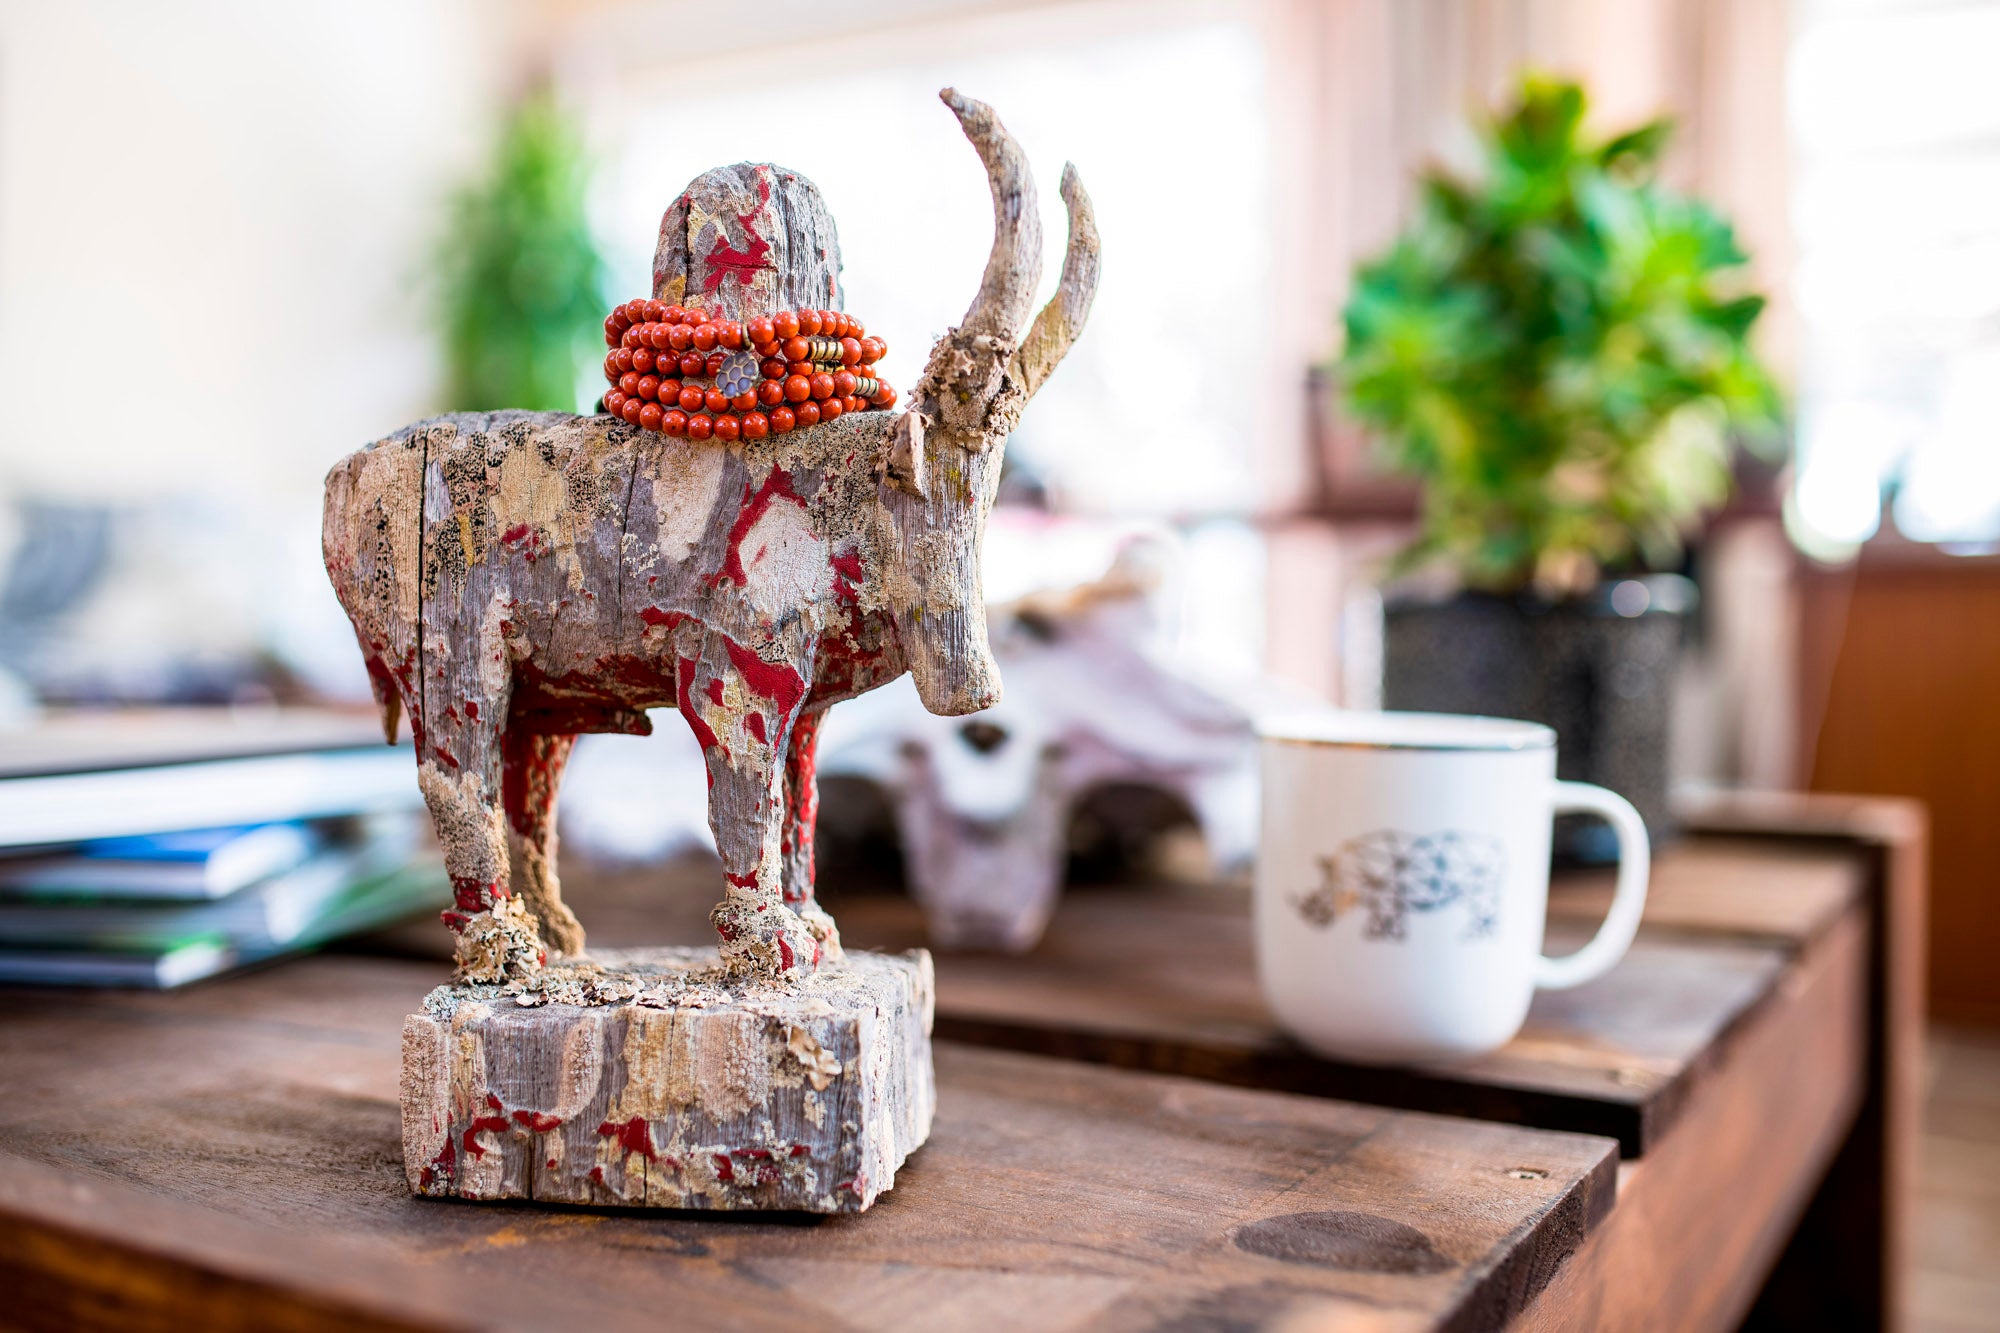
<point>1635,857</point>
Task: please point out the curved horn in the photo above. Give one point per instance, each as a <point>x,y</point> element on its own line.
<point>1014,269</point>
<point>1049,340</point>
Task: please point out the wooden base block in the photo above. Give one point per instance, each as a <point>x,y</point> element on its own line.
<point>651,1079</point>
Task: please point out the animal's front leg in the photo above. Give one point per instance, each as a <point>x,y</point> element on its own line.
<point>741,711</point>
<point>801,820</point>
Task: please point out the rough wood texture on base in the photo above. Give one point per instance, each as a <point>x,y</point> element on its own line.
<point>651,1079</point>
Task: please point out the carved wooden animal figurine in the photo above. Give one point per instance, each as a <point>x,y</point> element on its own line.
<point>517,578</point>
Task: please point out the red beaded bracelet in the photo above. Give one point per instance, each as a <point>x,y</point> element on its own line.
<point>765,375</point>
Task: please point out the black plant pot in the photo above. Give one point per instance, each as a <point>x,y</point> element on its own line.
<point>1598,668</point>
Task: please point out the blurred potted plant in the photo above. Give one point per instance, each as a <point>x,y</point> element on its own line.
<point>522,304</point>
<point>1559,352</point>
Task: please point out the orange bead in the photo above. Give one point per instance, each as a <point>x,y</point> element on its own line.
<point>634,311</point>
<point>649,386</point>
<point>628,383</point>
<point>642,359</point>
<point>809,322</point>
<point>785,324</point>
<point>797,349</point>
<point>782,419</point>
<point>713,366</point>
<point>772,369</point>
<point>629,409</point>
<point>690,398</point>
<point>611,370</point>
<point>798,388</point>
<point>743,402</point>
<point>759,330</point>
<point>629,338</point>
<point>673,314</point>
<point>649,417</point>
<point>850,351</point>
<point>727,428</point>
<point>765,351</point>
<point>656,311</point>
<point>807,414</point>
<point>680,337</point>
<point>854,404</point>
<point>831,409</point>
<point>798,367</point>
<point>700,426</point>
<point>821,384</point>
<point>755,425</point>
<point>885,398</point>
<point>705,337</point>
<point>674,421</point>
<point>613,331</point>
<point>843,383</point>
<point>770,393</point>
<point>715,400</point>
<point>614,401</point>
<point>855,328</point>
<point>693,364</point>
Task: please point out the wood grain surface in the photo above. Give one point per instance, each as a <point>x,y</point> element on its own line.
<point>230,1156</point>
<point>1620,1057</point>
<point>1701,1221</point>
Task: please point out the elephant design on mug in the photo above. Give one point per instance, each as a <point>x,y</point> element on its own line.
<point>1391,874</point>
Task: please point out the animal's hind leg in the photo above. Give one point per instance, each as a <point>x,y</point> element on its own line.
<point>459,770</point>
<point>801,819</point>
<point>531,766</point>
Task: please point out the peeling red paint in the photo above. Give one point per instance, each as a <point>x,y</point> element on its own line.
<point>705,734</point>
<point>775,681</point>
<point>777,485</point>
<point>480,1124</point>
<point>538,1122</point>
<point>634,1136</point>
<point>476,895</point>
<point>755,725</point>
<point>443,1167</point>
<point>725,260</point>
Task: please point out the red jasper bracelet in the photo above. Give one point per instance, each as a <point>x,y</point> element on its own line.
<point>766,375</point>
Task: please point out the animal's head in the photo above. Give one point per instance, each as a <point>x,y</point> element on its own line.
<point>942,465</point>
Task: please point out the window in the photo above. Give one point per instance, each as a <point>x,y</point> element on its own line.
<point>1897,207</point>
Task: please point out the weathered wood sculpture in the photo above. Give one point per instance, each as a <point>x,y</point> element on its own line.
<point>518,578</point>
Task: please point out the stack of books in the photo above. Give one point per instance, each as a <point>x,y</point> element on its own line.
<point>154,850</point>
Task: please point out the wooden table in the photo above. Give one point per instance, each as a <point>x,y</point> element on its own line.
<point>230,1154</point>
<point>1753,1055</point>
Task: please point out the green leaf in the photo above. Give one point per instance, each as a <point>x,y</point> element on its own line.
<point>1558,347</point>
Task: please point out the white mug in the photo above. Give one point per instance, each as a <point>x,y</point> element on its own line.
<point>1403,881</point>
